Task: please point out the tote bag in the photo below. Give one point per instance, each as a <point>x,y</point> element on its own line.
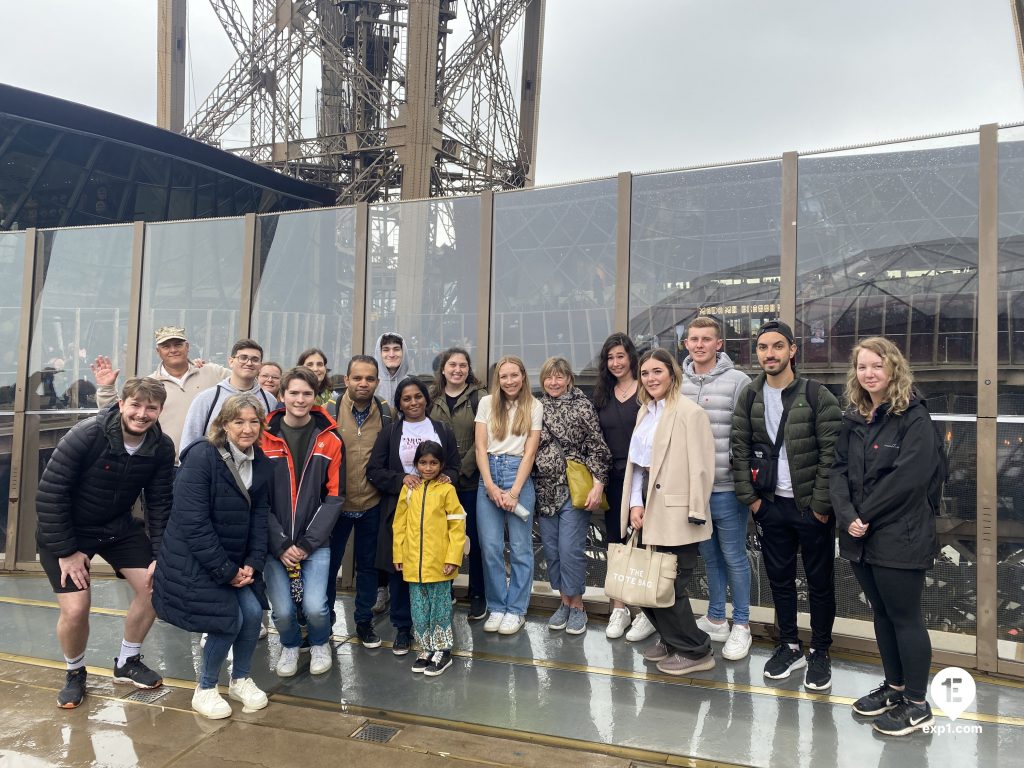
<point>640,576</point>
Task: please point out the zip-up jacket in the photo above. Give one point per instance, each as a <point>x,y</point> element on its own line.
<point>463,423</point>
<point>303,512</point>
<point>717,393</point>
<point>881,475</point>
<point>91,483</point>
<point>207,404</point>
<point>429,531</point>
<point>810,443</point>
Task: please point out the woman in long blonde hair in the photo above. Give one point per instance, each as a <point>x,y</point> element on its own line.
<point>884,496</point>
<point>508,424</point>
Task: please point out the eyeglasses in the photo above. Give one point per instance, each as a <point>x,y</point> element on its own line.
<point>248,360</point>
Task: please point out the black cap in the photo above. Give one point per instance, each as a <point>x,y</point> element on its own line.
<point>778,327</point>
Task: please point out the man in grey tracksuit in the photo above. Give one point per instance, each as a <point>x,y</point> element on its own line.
<point>711,381</point>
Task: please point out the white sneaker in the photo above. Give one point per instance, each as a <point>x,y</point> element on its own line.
<point>493,623</point>
<point>202,640</point>
<point>738,644</point>
<point>641,629</point>
<point>718,633</point>
<point>263,628</point>
<point>511,624</point>
<point>617,623</point>
<point>288,664</point>
<point>210,704</point>
<point>245,691</point>
<point>320,659</point>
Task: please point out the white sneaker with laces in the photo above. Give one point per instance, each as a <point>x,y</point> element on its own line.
<point>617,623</point>
<point>246,691</point>
<point>493,623</point>
<point>738,644</point>
<point>511,624</point>
<point>718,633</point>
<point>210,704</point>
<point>320,659</point>
<point>288,664</point>
<point>641,629</point>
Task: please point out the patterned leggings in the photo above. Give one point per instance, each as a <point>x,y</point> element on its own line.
<point>432,615</point>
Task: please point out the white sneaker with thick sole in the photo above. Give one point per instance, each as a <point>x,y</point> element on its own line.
<point>247,692</point>
<point>288,664</point>
<point>641,629</point>
<point>617,623</point>
<point>511,624</point>
<point>320,659</point>
<point>718,633</point>
<point>493,623</point>
<point>738,645</point>
<point>210,704</point>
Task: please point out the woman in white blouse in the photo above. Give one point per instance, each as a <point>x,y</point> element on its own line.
<point>669,479</point>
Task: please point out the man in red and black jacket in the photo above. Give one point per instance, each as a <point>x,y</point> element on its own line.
<point>307,455</point>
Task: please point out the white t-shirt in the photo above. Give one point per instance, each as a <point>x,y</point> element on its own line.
<point>512,445</point>
<point>772,416</point>
<point>412,435</point>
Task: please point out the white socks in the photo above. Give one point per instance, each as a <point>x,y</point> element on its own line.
<point>127,651</point>
<point>75,663</point>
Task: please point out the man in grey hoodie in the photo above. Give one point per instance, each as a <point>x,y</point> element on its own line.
<point>711,381</point>
<point>389,351</point>
<point>245,361</point>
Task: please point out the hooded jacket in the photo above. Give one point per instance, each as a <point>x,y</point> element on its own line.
<point>387,381</point>
<point>86,494</point>
<point>881,476</point>
<point>304,512</point>
<point>207,405</point>
<point>717,392</point>
<point>429,531</point>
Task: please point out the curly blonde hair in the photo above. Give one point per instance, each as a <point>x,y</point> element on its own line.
<point>901,380</point>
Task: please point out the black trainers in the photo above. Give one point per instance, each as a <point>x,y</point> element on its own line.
<point>783,662</point>
<point>422,662</point>
<point>818,676</point>
<point>71,695</point>
<point>135,672</point>
<point>477,608</point>
<point>367,636</point>
<point>878,702</point>
<point>439,662</point>
<point>904,718</point>
<point>403,641</point>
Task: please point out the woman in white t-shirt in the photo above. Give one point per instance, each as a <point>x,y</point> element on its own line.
<point>508,424</point>
<point>391,469</point>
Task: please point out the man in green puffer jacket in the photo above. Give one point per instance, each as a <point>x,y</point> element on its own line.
<point>796,513</point>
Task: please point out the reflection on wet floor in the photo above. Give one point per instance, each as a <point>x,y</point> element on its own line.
<point>563,689</point>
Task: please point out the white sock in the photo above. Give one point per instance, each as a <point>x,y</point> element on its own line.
<point>794,646</point>
<point>75,663</point>
<point>127,651</point>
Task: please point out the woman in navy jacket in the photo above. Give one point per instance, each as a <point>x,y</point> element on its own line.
<point>209,571</point>
<point>885,465</point>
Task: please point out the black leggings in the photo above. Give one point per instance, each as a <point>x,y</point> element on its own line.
<point>903,642</point>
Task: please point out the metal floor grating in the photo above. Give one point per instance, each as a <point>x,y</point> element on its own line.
<point>146,696</point>
<point>375,732</point>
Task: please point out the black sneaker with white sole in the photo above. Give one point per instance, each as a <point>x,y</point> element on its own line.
<point>818,676</point>
<point>783,661</point>
<point>905,718</point>
<point>71,695</point>
<point>439,662</point>
<point>135,672</point>
<point>477,608</point>
<point>402,642</point>
<point>878,702</point>
<point>367,635</point>
<point>422,662</point>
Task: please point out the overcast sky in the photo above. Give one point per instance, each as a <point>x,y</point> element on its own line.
<point>628,85</point>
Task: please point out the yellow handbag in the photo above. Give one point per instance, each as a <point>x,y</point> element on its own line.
<point>580,483</point>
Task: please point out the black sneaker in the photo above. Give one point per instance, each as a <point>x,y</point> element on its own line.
<point>71,695</point>
<point>135,672</point>
<point>878,702</point>
<point>403,641</point>
<point>422,662</point>
<point>783,662</point>
<point>904,718</point>
<point>439,662</point>
<point>818,676</point>
<point>367,636</point>
<point>477,608</point>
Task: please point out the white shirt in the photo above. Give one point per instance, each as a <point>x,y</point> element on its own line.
<point>180,381</point>
<point>641,445</point>
<point>772,416</point>
<point>512,445</point>
<point>414,433</point>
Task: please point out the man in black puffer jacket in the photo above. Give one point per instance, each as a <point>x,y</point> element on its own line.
<point>84,508</point>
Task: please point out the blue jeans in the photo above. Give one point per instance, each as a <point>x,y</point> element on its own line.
<point>503,596</point>
<point>315,572</point>
<point>725,555</point>
<point>215,652</point>
<point>364,555</point>
<point>564,536</point>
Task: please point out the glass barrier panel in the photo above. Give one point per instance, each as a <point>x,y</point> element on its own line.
<point>6,439</point>
<point>12,268</point>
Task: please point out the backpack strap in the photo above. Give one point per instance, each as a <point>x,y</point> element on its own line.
<point>385,412</point>
<point>96,448</point>
<point>209,413</point>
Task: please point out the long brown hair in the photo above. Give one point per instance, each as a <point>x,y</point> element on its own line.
<point>901,380</point>
<point>500,405</point>
<point>662,356</point>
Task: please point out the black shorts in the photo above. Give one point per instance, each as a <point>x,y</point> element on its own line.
<point>132,550</point>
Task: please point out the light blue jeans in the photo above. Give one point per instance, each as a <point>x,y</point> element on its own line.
<point>564,536</point>
<point>512,596</point>
<point>725,555</point>
<point>250,613</point>
<point>316,569</point>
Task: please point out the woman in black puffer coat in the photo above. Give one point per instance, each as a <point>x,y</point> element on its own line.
<point>209,572</point>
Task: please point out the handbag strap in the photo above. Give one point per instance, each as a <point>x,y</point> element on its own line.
<point>780,435</point>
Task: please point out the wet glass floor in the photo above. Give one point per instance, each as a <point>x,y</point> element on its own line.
<point>580,688</point>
